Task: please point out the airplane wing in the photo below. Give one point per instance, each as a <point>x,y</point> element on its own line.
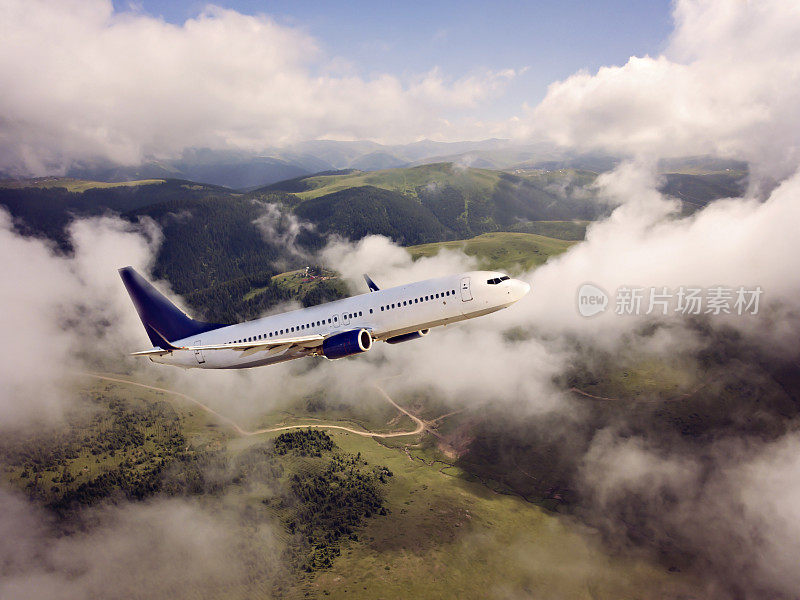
<point>274,345</point>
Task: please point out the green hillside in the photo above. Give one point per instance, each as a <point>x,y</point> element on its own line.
<point>697,190</point>
<point>361,211</point>
<point>351,516</point>
<point>510,252</point>
<point>465,201</point>
<point>405,180</point>
<point>74,185</point>
<point>214,253</point>
<point>573,231</point>
<point>46,206</point>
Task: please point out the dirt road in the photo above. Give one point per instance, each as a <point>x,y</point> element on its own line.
<point>244,432</point>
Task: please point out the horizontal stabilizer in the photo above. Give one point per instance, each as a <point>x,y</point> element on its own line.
<point>153,352</point>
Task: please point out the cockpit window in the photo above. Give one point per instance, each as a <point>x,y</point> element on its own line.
<point>497,280</point>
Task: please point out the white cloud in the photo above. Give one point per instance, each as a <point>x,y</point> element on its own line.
<point>81,81</point>
<point>57,311</point>
<point>727,84</point>
<point>735,242</point>
<point>168,548</point>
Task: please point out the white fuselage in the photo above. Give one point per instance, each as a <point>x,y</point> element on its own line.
<point>385,313</point>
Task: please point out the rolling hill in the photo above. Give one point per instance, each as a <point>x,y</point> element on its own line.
<point>367,210</point>
<point>465,201</point>
<point>45,206</point>
<point>509,252</point>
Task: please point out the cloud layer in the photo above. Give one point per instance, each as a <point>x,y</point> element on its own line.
<point>64,313</point>
<point>728,84</point>
<point>82,81</point>
<point>160,549</point>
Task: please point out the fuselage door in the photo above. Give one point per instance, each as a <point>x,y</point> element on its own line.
<point>346,318</point>
<point>198,354</point>
<point>466,293</point>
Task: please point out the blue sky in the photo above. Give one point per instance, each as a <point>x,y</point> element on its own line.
<point>552,39</point>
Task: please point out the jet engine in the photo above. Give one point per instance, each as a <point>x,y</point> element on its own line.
<point>347,343</point>
<point>408,336</point>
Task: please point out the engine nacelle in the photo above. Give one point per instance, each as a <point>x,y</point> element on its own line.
<point>408,336</point>
<point>347,343</point>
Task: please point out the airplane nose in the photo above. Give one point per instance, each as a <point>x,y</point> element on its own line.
<point>519,288</point>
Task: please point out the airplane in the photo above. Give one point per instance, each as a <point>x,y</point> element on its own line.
<point>333,330</point>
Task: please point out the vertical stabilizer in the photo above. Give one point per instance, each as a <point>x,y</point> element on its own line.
<point>161,318</point>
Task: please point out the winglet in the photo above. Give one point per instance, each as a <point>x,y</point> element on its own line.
<point>371,284</point>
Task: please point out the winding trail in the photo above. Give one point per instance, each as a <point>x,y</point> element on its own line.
<point>421,425</point>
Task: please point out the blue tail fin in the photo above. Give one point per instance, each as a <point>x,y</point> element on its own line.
<point>162,320</point>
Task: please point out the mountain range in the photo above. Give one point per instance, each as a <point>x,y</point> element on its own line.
<point>243,170</point>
